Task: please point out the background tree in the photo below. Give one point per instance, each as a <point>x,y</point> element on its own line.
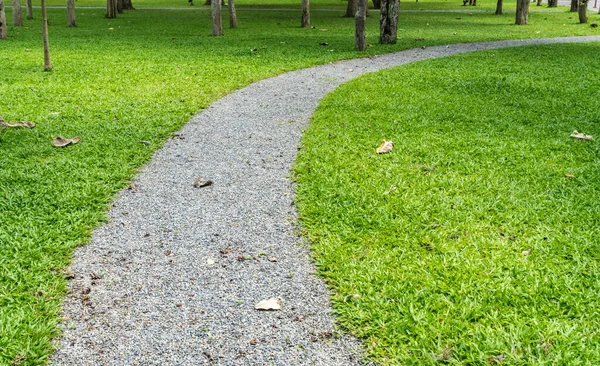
<point>351,9</point>
<point>498,7</point>
<point>522,12</point>
<point>552,3</point>
<point>388,21</point>
<point>574,6</point>
<point>232,14</point>
<point>305,13</point>
<point>539,2</point>
<point>217,26</point>
<point>583,11</point>
<point>377,4</point>
<point>127,5</point>
<point>111,8</point>
<point>47,63</point>
<point>29,10</point>
<point>17,17</point>
<point>2,21</point>
<point>360,43</point>
<point>71,20</point>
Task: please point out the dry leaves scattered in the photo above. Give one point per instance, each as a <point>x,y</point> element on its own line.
<point>201,182</point>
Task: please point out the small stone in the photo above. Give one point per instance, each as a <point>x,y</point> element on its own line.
<point>210,261</point>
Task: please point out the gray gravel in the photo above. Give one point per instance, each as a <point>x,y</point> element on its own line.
<point>144,293</point>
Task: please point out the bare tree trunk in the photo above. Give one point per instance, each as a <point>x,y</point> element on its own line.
<point>552,3</point>
<point>120,7</point>
<point>232,15</point>
<point>474,3</point>
<point>498,7</point>
<point>47,63</point>
<point>2,21</point>
<point>29,10</point>
<point>360,42</point>
<point>217,26</point>
<point>127,5</point>
<point>539,2</point>
<point>111,8</point>
<point>574,6</point>
<point>17,17</point>
<point>388,21</point>
<point>305,14</point>
<point>522,12</point>
<point>377,4</point>
<point>207,2</point>
<point>583,11</point>
<point>351,9</point>
<point>71,20</point>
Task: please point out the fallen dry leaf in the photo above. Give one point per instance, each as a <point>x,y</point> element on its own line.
<point>351,296</point>
<point>3,123</point>
<point>270,304</point>
<point>526,252</point>
<point>580,136</point>
<point>392,188</point>
<point>272,259</point>
<point>386,146</point>
<point>495,359</point>
<point>210,261</point>
<point>253,341</point>
<point>62,141</point>
<point>201,182</point>
<point>569,175</point>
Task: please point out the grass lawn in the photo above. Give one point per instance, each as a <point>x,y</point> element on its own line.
<point>469,243</point>
<point>139,78</point>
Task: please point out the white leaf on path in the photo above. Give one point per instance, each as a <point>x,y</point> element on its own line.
<point>386,146</point>
<point>210,261</point>
<point>270,304</point>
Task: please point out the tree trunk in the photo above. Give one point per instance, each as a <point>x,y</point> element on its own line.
<point>539,2</point>
<point>583,11</point>
<point>29,10</point>
<point>2,21</point>
<point>351,9</point>
<point>499,7</point>
<point>217,26</point>
<point>127,5</point>
<point>207,2</point>
<point>552,3</point>
<point>360,42</point>
<point>574,6</point>
<point>232,15</point>
<point>377,4</point>
<point>111,8</point>
<point>522,12</point>
<point>120,7</point>
<point>47,63</point>
<point>17,17</point>
<point>388,21</point>
<point>474,3</point>
<point>305,14</point>
<point>71,20</point>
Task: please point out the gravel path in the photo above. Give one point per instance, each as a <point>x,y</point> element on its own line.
<point>172,278</point>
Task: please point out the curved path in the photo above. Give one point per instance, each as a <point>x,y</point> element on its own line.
<point>172,278</point>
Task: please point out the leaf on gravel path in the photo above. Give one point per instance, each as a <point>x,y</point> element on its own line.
<point>210,261</point>
<point>580,136</point>
<point>270,304</point>
<point>386,146</point>
<point>201,182</point>
<point>62,141</point>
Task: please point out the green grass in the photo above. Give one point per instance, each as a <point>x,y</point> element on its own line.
<point>422,247</point>
<point>139,78</point>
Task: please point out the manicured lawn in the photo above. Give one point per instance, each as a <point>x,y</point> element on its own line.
<point>477,239</point>
<point>139,78</point>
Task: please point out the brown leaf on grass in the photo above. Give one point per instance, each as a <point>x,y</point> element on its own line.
<point>581,136</point>
<point>526,252</point>
<point>62,141</point>
<point>446,354</point>
<point>419,39</point>
<point>270,304</point>
<point>201,182</point>
<point>569,175</point>
<point>351,296</point>
<point>392,188</point>
<point>385,147</point>
<point>5,124</point>
<point>495,359</point>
